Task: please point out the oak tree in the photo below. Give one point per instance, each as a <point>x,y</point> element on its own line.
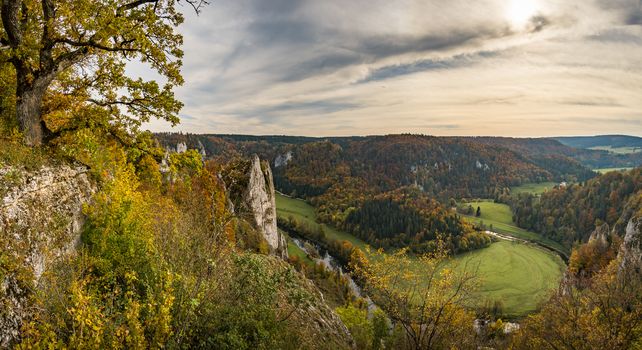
<point>81,48</point>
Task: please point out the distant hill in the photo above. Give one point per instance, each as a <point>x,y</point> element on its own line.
<point>613,141</point>
<point>394,190</point>
<point>547,149</point>
<point>443,166</point>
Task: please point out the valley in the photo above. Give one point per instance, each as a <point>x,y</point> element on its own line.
<point>517,274</point>
<point>498,217</point>
<point>303,175</point>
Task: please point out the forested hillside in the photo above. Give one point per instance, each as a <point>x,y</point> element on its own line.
<point>614,141</point>
<point>442,166</point>
<point>554,153</point>
<point>569,214</point>
<point>396,190</point>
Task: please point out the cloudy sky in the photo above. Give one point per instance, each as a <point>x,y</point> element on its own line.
<point>441,67</point>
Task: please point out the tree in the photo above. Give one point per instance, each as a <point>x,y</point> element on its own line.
<point>79,49</point>
<point>478,213</point>
<point>356,319</point>
<point>421,295</point>
<point>603,312</point>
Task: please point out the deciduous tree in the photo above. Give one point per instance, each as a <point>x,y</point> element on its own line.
<point>421,295</point>
<point>80,49</point>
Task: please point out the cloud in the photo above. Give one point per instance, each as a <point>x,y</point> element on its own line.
<point>379,66</point>
<point>426,65</point>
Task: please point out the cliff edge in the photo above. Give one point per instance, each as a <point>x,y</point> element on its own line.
<point>40,220</point>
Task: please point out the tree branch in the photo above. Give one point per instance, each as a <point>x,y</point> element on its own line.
<point>10,21</point>
<point>133,5</point>
<point>95,45</point>
<point>46,58</point>
<point>197,5</point>
<point>66,60</point>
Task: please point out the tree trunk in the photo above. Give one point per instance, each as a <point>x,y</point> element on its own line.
<point>29,94</point>
<point>28,110</point>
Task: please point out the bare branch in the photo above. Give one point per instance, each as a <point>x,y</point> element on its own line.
<point>197,5</point>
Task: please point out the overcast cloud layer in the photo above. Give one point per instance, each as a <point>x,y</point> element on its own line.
<point>441,67</point>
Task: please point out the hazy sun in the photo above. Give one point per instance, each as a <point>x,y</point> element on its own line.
<point>519,12</point>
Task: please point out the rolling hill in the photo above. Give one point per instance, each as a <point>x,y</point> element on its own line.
<point>590,142</point>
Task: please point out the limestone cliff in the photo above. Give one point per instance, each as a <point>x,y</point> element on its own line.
<point>260,198</point>
<point>631,249</point>
<point>40,220</point>
<point>601,235</point>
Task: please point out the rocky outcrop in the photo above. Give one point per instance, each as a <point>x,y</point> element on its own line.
<point>260,199</point>
<point>40,221</point>
<point>601,235</point>
<point>630,253</point>
<point>283,159</point>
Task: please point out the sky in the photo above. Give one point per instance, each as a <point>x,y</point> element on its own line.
<point>520,68</point>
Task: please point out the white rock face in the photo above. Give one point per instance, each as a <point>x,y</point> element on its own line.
<point>481,166</point>
<point>260,199</point>
<point>201,149</point>
<point>631,248</point>
<point>601,235</point>
<point>181,147</point>
<point>282,159</point>
<point>40,220</point>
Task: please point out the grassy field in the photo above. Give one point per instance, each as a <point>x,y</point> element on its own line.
<point>608,170</point>
<point>304,212</point>
<point>534,187</point>
<point>519,275</point>
<point>500,216</point>
<point>618,150</point>
<point>294,250</point>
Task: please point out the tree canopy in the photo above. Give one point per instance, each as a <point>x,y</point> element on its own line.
<point>77,51</point>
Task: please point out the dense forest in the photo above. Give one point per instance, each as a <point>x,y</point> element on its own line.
<point>551,154</point>
<point>614,141</point>
<point>568,214</point>
<point>408,218</point>
<point>443,166</point>
<point>547,150</point>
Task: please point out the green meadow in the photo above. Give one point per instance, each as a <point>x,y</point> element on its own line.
<point>608,170</point>
<point>294,250</point>
<point>501,217</point>
<point>304,212</point>
<point>533,187</point>
<point>517,274</point>
<point>617,150</point>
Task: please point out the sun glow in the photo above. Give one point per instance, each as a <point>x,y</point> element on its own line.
<point>519,12</point>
